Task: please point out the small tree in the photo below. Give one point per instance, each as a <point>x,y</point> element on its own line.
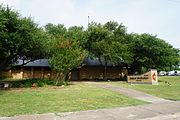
<point>66,50</point>
<point>66,55</point>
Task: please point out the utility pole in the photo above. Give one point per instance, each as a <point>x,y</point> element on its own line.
<point>88,20</point>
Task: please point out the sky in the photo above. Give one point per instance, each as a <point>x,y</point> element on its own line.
<point>156,17</point>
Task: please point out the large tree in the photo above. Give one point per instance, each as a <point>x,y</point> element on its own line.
<point>77,33</point>
<point>103,44</point>
<point>106,43</point>
<point>111,43</point>
<point>56,30</point>
<point>20,38</point>
<point>150,52</point>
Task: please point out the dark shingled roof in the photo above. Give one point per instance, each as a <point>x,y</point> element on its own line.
<point>95,62</point>
<point>44,63</point>
<point>91,62</point>
<point>36,63</point>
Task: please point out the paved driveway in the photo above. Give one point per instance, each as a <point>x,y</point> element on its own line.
<point>131,93</point>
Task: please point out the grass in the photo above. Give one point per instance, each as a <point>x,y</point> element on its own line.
<point>60,99</point>
<point>168,88</point>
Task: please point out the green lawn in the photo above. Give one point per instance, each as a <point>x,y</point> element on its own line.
<point>60,99</point>
<point>168,91</point>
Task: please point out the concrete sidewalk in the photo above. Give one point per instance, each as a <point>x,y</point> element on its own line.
<point>131,93</point>
<point>151,111</point>
<point>157,111</point>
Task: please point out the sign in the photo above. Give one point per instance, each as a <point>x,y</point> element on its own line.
<point>146,78</point>
<point>154,77</point>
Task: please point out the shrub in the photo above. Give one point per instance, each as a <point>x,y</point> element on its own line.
<point>63,82</point>
<point>27,84</point>
<point>31,82</point>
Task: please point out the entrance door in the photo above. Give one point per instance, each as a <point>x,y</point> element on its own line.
<point>75,75</point>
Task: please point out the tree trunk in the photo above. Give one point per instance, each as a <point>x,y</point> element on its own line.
<point>127,68</point>
<point>61,78</point>
<point>67,75</point>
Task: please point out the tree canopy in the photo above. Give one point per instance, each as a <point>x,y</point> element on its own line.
<point>20,38</point>
<point>151,52</point>
<point>66,48</point>
<point>105,42</point>
<point>111,43</point>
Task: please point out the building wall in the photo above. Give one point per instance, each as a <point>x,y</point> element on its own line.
<point>5,74</point>
<point>17,74</point>
<point>99,72</point>
<point>28,72</point>
<point>84,73</point>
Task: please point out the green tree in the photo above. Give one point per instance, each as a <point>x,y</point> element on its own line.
<point>106,43</point>
<point>20,38</point>
<point>150,52</point>
<point>66,50</point>
<point>77,33</point>
<point>56,30</point>
<point>66,55</point>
